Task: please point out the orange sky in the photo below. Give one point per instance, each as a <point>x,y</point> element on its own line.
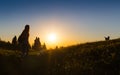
<point>73,21</point>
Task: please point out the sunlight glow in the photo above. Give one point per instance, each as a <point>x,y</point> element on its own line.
<point>52,37</point>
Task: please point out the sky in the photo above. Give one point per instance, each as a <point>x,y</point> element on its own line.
<point>72,21</point>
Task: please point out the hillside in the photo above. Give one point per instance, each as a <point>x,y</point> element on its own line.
<point>94,58</point>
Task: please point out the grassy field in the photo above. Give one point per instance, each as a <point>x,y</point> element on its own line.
<point>94,58</point>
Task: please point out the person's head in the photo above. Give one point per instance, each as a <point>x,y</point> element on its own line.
<point>27,27</point>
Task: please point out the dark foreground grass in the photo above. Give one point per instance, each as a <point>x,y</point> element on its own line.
<point>96,58</point>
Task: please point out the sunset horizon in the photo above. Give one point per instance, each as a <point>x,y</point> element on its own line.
<point>59,37</point>
<point>71,21</point>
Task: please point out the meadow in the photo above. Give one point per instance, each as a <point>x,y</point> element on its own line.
<point>92,58</point>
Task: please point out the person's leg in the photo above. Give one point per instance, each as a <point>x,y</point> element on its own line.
<point>26,51</point>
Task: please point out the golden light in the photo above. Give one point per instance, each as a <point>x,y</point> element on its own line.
<point>52,37</point>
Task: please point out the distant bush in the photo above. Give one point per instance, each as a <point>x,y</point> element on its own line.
<point>5,45</point>
<point>37,44</point>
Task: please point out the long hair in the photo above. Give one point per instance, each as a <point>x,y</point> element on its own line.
<point>24,35</point>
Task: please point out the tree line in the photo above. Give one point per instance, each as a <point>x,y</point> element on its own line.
<point>14,44</point>
<point>23,38</point>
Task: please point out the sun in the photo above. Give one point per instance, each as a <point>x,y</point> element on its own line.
<point>52,37</point>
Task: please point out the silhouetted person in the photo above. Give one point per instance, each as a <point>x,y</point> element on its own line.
<point>23,41</point>
<point>107,38</point>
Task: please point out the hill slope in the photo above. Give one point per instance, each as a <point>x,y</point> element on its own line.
<point>95,58</point>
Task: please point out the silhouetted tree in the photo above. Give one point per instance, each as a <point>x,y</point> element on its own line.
<point>44,46</point>
<point>37,44</point>
<point>5,45</point>
<point>56,47</point>
<point>23,41</point>
<point>14,42</point>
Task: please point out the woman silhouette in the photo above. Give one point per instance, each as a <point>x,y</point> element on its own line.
<point>23,41</point>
